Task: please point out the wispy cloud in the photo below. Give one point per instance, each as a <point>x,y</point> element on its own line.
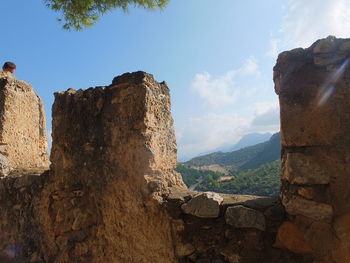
<point>222,90</point>
<point>306,21</point>
<point>210,131</point>
<point>274,48</point>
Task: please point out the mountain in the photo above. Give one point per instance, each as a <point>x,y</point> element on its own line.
<point>246,158</point>
<point>251,170</point>
<point>234,159</point>
<point>270,153</point>
<point>246,141</point>
<point>249,140</point>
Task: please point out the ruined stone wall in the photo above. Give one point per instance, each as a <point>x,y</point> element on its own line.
<point>112,161</point>
<point>23,141</point>
<point>314,91</point>
<point>111,194</point>
<point>109,173</point>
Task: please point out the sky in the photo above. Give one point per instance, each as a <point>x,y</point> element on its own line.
<point>216,56</point>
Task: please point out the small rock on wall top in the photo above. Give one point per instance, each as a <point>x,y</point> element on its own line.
<point>205,205</point>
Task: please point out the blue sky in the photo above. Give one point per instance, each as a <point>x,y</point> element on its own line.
<point>216,56</point>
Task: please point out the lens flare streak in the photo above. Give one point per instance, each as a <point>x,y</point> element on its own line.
<point>328,87</point>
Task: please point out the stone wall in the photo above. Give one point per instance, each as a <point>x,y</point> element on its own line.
<point>313,87</point>
<point>112,159</point>
<point>23,142</point>
<point>112,195</point>
<point>218,228</point>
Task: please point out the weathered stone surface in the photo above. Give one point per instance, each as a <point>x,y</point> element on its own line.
<point>243,217</point>
<point>326,45</point>
<point>320,236</point>
<point>306,192</point>
<point>325,60</point>
<point>313,89</point>
<point>289,236</point>
<point>299,206</point>
<point>345,46</point>
<point>23,128</point>
<point>341,253</point>
<point>205,205</point>
<point>302,168</point>
<point>113,157</point>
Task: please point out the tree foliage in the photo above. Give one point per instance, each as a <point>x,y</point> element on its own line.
<point>78,14</point>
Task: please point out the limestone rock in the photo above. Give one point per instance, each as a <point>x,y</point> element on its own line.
<point>345,46</point>
<point>325,60</point>
<point>184,249</point>
<point>308,208</point>
<point>341,226</point>
<point>326,45</point>
<point>304,169</point>
<point>306,192</point>
<point>320,236</point>
<point>289,236</point>
<point>205,205</point>
<point>243,217</point>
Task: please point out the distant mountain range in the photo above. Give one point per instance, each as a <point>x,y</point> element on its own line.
<point>246,158</point>
<point>247,140</point>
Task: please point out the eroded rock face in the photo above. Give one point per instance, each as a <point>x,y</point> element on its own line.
<point>313,88</point>
<point>23,141</point>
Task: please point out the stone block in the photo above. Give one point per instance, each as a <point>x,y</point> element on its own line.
<point>243,217</point>
<point>299,206</point>
<point>306,169</point>
<point>289,236</point>
<point>205,205</point>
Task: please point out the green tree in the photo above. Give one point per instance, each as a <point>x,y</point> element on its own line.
<point>77,14</point>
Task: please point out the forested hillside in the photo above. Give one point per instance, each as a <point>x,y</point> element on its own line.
<point>253,170</point>
<point>234,159</point>
<point>246,158</point>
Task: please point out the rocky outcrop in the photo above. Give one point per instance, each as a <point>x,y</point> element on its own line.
<point>313,89</point>
<point>23,142</point>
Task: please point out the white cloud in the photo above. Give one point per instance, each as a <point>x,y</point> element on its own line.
<point>222,90</point>
<point>263,107</point>
<point>307,21</point>
<point>274,48</point>
<point>211,131</point>
<point>250,66</point>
